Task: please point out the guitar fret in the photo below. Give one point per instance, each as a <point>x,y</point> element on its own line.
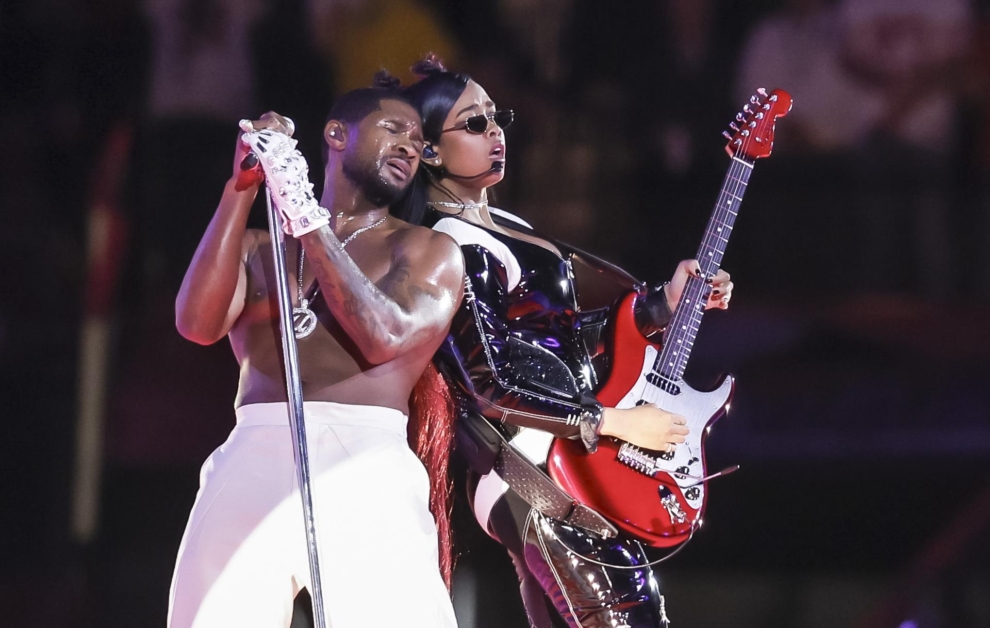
<point>711,241</point>
<point>673,357</point>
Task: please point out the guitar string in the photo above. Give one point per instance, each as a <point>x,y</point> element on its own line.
<point>695,287</point>
<point>737,174</point>
<point>737,178</point>
<point>731,188</point>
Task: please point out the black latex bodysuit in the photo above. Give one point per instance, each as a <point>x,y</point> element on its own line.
<point>521,358</point>
<point>524,356</point>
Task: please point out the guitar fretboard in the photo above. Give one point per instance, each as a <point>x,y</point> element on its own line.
<point>683,327</point>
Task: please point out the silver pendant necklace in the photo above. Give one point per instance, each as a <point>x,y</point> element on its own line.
<point>303,318</point>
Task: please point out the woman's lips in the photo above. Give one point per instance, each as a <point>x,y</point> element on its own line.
<point>498,152</point>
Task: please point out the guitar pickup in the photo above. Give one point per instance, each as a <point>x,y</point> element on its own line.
<point>664,383</point>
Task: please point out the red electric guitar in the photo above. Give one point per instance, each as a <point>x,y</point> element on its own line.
<point>659,498</point>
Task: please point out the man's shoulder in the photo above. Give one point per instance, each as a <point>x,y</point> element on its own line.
<point>429,253</point>
<point>425,239</point>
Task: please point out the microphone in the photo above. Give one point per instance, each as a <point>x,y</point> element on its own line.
<point>497,166</point>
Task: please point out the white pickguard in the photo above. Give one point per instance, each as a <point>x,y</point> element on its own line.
<point>697,407</point>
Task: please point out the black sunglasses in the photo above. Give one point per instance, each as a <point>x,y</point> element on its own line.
<point>479,124</point>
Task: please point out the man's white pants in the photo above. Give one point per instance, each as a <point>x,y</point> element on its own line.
<point>243,556</point>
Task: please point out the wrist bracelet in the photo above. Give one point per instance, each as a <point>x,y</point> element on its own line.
<point>591,426</point>
<point>307,222</point>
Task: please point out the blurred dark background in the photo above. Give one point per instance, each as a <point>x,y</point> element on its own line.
<point>858,329</point>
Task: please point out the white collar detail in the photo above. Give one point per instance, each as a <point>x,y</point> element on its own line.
<point>464,233</point>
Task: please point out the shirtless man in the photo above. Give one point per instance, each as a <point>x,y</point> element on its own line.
<point>384,306</point>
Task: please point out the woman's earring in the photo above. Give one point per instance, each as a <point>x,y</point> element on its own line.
<point>430,156</point>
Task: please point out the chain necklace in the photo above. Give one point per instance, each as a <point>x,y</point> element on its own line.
<point>461,206</point>
<point>303,318</point>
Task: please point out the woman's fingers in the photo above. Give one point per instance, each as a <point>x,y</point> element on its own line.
<point>720,295</point>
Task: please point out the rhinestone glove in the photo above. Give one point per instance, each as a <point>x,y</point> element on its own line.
<point>287,174</point>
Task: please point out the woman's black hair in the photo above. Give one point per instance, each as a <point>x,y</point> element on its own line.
<point>433,96</point>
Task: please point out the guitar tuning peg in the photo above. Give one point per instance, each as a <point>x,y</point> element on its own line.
<point>740,117</point>
<point>732,125</point>
<point>752,124</point>
<point>754,100</point>
<point>747,109</point>
<point>773,98</point>
<point>761,91</point>
<point>727,135</point>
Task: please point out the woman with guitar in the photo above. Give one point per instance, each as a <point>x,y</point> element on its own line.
<point>519,353</point>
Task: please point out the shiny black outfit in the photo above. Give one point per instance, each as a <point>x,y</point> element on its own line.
<point>522,358</point>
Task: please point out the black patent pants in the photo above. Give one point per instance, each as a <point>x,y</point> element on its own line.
<point>555,579</point>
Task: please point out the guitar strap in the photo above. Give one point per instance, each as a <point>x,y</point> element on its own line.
<point>533,485</point>
<point>615,273</point>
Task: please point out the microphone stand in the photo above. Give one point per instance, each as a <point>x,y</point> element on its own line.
<point>297,422</point>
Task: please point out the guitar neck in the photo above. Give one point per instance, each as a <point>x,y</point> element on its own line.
<point>683,328</point>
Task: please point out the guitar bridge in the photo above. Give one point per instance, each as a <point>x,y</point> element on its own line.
<point>634,457</point>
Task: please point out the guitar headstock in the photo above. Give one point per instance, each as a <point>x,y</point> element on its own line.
<point>753,129</point>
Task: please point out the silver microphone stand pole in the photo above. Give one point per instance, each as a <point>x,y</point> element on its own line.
<point>297,421</point>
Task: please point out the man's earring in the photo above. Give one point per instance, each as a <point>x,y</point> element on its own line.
<point>430,156</point>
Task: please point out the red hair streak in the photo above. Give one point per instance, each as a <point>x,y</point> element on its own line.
<point>431,436</point>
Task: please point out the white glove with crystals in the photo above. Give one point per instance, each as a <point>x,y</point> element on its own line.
<point>287,175</point>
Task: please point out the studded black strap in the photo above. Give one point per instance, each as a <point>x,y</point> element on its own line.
<point>540,491</point>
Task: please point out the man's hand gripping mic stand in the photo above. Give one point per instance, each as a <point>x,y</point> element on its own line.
<point>293,383</point>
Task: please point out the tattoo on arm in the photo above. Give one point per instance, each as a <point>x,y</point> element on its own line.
<point>385,315</point>
<point>397,278</point>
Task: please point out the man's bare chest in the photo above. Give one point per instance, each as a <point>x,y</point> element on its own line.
<point>261,294</point>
